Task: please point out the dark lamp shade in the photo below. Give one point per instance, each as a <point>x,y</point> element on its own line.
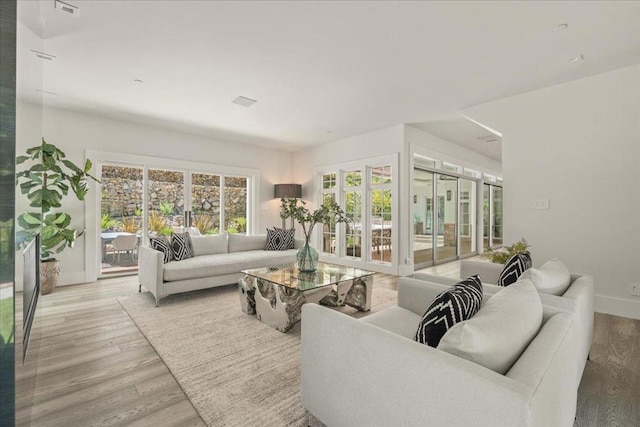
<point>287,191</point>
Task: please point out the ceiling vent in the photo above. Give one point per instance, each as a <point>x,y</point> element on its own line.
<point>66,7</point>
<point>245,102</point>
<point>491,139</point>
<point>43,55</point>
<point>46,92</point>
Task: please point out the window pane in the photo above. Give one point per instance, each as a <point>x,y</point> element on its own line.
<point>353,210</point>
<point>329,229</point>
<point>352,178</point>
<point>446,217</point>
<point>166,201</point>
<point>235,204</point>
<point>205,202</point>
<point>467,216</point>
<point>381,225</point>
<point>486,201</point>
<point>121,215</point>
<point>381,175</point>
<point>329,180</point>
<point>497,216</point>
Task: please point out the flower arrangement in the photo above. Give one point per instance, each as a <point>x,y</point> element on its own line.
<point>297,209</point>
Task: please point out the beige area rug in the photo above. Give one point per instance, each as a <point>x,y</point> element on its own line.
<point>236,370</point>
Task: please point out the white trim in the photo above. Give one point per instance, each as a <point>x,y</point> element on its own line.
<point>617,306</point>
<point>92,208</point>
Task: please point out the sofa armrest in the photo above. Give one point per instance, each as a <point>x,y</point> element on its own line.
<point>443,280</point>
<point>415,294</point>
<point>581,291</point>
<point>350,368</point>
<point>489,272</point>
<point>150,270</point>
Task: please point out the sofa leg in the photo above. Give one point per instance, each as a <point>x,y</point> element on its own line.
<point>589,357</point>
<point>307,418</point>
<point>139,287</point>
<point>157,302</point>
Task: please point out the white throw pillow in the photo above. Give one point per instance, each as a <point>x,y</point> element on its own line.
<point>552,278</point>
<point>503,328</point>
<point>209,245</point>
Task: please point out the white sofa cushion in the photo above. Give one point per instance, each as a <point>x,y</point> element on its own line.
<point>219,264</point>
<point>209,245</point>
<point>552,278</point>
<point>395,319</point>
<point>497,335</point>
<point>243,242</point>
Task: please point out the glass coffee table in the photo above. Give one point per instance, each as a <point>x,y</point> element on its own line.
<point>275,294</point>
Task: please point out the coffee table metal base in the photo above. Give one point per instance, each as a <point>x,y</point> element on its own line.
<point>280,307</point>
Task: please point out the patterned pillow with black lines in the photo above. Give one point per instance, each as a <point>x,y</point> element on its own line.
<point>279,239</point>
<point>513,268</point>
<point>452,306</point>
<point>162,244</point>
<point>181,245</point>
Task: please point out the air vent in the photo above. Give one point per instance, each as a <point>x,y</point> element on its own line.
<point>68,8</point>
<point>43,55</point>
<point>491,139</point>
<point>245,102</point>
<point>46,92</point>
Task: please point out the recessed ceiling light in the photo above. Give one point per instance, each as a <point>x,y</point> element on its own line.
<point>560,27</point>
<point>244,101</point>
<point>577,58</point>
<point>138,81</point>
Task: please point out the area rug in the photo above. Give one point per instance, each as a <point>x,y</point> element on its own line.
<point>236,370</point>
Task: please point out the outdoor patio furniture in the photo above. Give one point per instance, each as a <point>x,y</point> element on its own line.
<point>125,243</point>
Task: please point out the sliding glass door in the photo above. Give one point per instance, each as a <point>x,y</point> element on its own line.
<point>121,208</point>
<point>492,216</point>
<point>139,202</point>
<point>444,218</point>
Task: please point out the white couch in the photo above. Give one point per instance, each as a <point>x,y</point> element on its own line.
<point>578,298</point>
<point>218,261</point>
<point>370,371</point>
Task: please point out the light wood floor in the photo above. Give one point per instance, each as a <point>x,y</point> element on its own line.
<point>94,367</point>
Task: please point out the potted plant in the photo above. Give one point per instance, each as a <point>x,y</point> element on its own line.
<point>501,256</point>
<point>307,257</point>
<point>46,181</point>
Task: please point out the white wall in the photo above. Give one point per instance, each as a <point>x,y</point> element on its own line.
<point>75,133</point>
<point>371,144</point>
<point>578,145</point>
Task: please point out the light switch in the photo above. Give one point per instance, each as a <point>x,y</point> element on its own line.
<point>540,204</point>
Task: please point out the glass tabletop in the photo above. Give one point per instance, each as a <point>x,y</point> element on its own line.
<point>288,275</point>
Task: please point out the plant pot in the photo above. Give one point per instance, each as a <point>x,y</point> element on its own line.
<point>49,273</point>
<point>307,258</point>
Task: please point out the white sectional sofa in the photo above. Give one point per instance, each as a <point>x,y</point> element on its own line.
<point>371,372</point>
<point>218,261</point>
<point>578,297</point>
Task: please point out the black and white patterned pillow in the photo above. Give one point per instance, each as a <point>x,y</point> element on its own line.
<point>513,268</point>
<point>279,239</point>
<point>162,244</point>
<point>181,245</point>
<point>452,306</point>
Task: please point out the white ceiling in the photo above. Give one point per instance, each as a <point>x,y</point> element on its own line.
<point>320,71</point>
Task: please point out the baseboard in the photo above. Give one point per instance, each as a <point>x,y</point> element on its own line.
<point>617,306</point>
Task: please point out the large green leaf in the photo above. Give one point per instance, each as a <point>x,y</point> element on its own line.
<point>72,166</point>
<point>21,159</point>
